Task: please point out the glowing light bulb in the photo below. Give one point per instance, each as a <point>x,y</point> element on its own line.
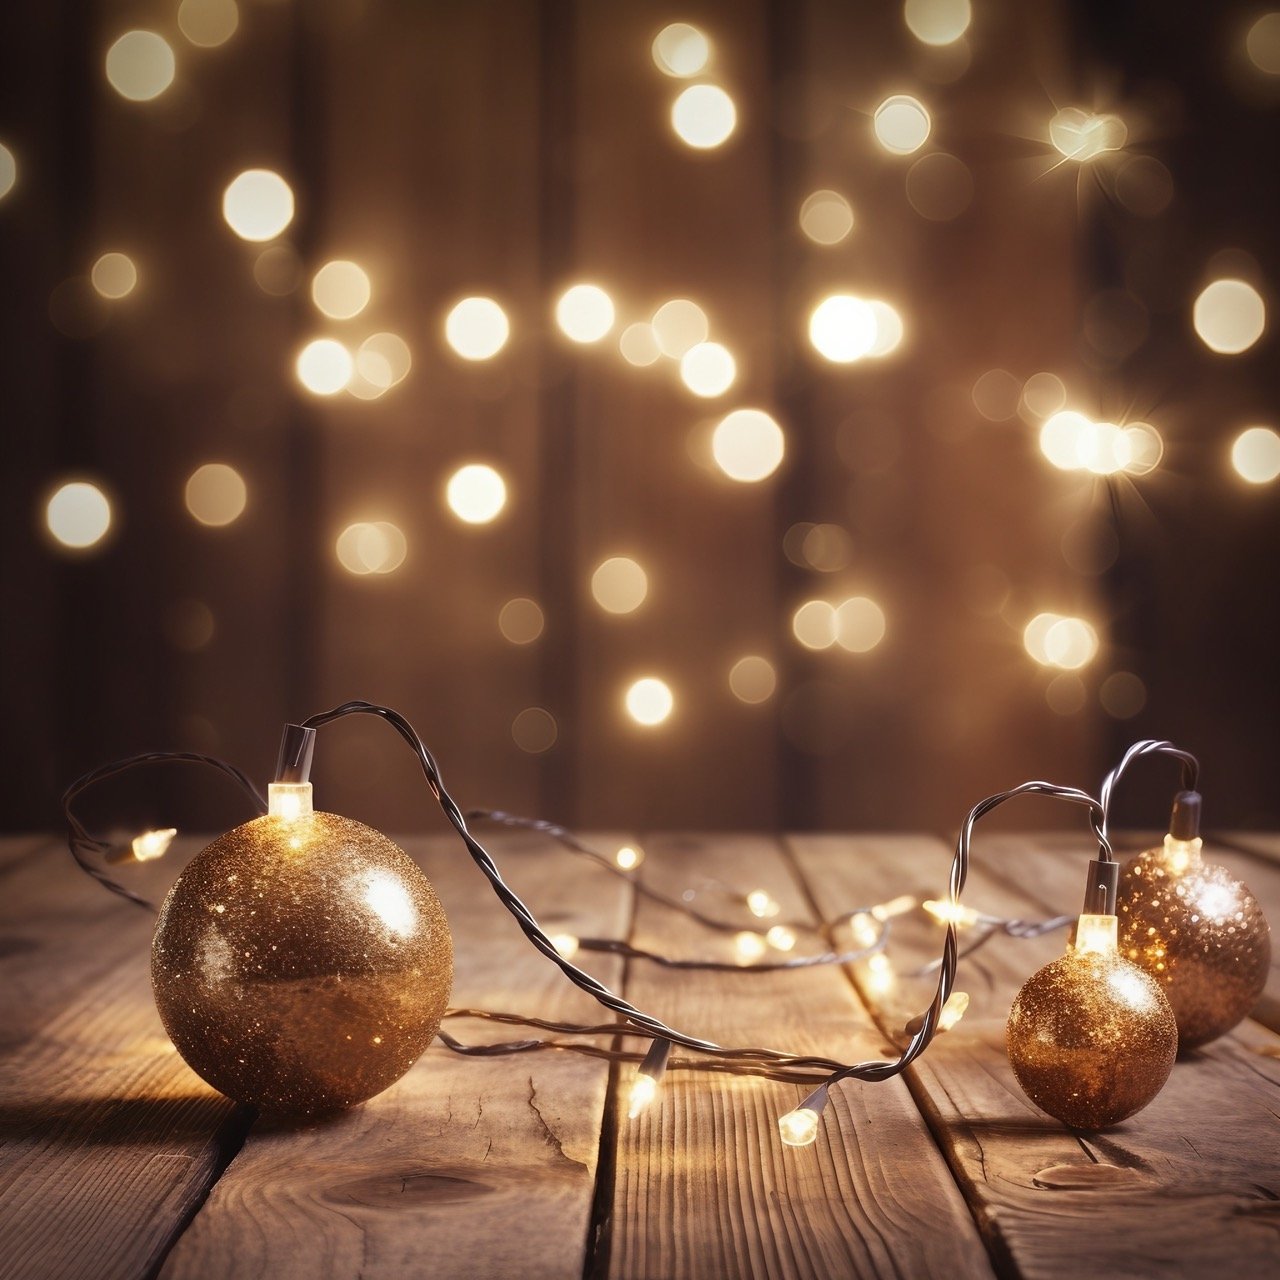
<point>748,947</point>
<point>898,906</point>
<point>953,1010</point>
<point>863,925</point>
<point>879,977</point>
<point>566,944</point>
<point>951,912</point>
<point>798,1128</point>
<point>643,1091</point>
<point>760,903</point>
<point>703,116</point>
<point>781,938</point>
<point>629,857</point>
<point>289,801</point>
<point>644,1087</point>
<point>258,204</point>
<point>153,844</point>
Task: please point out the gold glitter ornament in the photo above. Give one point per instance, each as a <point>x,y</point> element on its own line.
<point>1199,932</point>
<point>1091,1037</point>
<point>301,962</point>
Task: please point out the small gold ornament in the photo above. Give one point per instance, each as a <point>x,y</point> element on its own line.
<point>1091,1037</point>
<point>1199,932</point>
<point>301,962</point>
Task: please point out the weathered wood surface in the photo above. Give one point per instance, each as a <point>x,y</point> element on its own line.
<point>114,1157</point>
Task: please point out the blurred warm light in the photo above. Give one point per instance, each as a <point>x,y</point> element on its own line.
<point>1141,448</point>
<point>585,313</point>
<point>901,124</point>
<point>477,328</point>
<point>889,328</point>
<point>1055,641</point>
<point>78,514</point>
<point>843,328</point>
<point>898,906</point>
<point>680,50</point>
<point>384,360</point>
<point>476,493</point>
<point>278,270</point>
<point>371,547</point>
<point>749,947</point>
<point>341,289</point>
<point>995,395</point>
<point>619,585</point>
<point>208,23</point>
<point>520,620</point>
<point>566,944</point>
<point>1144,186</point>
<point>140,65</point>
<point>1101,448</point>
<point>859,624</point>
<point>1079,135</point>
<point>1229,316</point>
<point>762,905</point>
<point>1065,694</point>
<point>939,187</point>
<point>114,275</point>
<point>8,171</point>
<point>1256,455</point>
<point>1060,438</point>
<point>1262,44</point>
<point>703,116</point>
<point>324,366</point>
<point>258,204</point>
<point>679,325</point>
<point>747,445</point>
<point>534,730</point>
<point>150,845</point>
<point>826,217</point>
<point>1043,395</point>
<point>814,624</point>
<point>708,369</point>
<point>1122,695</point>
<point>639,346</point>
<point>937,21</point>
<point>753,679</point>
<point>826,547</point>
<point>949,911</point>
<point>781,938</point>
<point>879,977</point>
<point>189,625</point>
<point>629,857</point>
<point>649,701</point>
<point>953,1010</point>
<point>216,493</point>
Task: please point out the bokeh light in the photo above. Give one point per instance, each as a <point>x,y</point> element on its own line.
<point>901,124</point>
<point>680,50</point>
<point>703,116</point>
<point>995,395</point>
<point>1060,438</point>
<point>585,313</point>
<point>889,328</point>
<point>1229,316</point>
<point>649,701</point>
<point>189,625</point>
<point>216,494</point>
<point>639,345</point>
<point>78,514</point>
<point>114,275</point>
<point>1057,641</point>
<point>937,22</point>
<point>477,328</point>
<point>752,679</point>
<point>277,270</point>
<point>708,369</point>
<point>619,585</point>
<point>1065,695</point>
<point>1255,455</point>
<point>341,289</point>
<point>521,621</point>
<point>814,624</point>
<point>860,624</point>
<point>1080,135</point>
<point>8,170</point>
<point>747,445</point>
<point>1262,44</point>
<point>324,366</point>
<point>826,217</point>
<point>1043,395</point>
<point>826,548</point>
<point>208,23</point>
<point>842,328</point>
<point>1122,695</point>
<point>476,493</point>
<point>258,204</point>
<point>534,730</point>
<point>140,65</point>
<point>371,547</point>
<point>939,187</point>
<point>384,360</point>
<point>679,325</point>
<point>1144,186</point>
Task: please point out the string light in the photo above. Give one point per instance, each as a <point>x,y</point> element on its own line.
<point>150,845</point>
<point>384,360</point>
<point>1262,44</point>
<point>629,857</point>
<point>566,944</point>
<point>644,1087</point>
<point>799,1128</point>
<point>781,937</point>
<point>639,346</point>
<point>953,1010</point>
<point>752,679</point>
<point>749,946</point>
<point>898,906</point>
<point>760,902</point>
<point>955,913</point>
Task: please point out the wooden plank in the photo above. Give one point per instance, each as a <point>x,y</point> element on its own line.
<point>466,1167</point>
<point>1188,1185</point>
<point>1262,844</point>
<point>19,849</point>
<point>704,1187</point>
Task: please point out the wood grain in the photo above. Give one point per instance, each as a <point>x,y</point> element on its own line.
<point>466,1167</point>
<point>1188,1191</point>
<point>704,1188</point>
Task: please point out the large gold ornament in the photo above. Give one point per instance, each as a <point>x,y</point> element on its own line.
<point>301,963</point>
<point>1090,1036</point>
<point>1199,932</point>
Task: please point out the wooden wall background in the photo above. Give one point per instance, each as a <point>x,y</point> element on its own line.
<point>510,147</point>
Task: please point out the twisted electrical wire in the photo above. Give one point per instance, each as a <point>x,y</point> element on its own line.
<point>1147,747</point>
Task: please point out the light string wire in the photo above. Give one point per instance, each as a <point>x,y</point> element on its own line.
<point>1147,747</point>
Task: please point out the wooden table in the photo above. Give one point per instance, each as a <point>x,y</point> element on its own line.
<point>118,1161</point>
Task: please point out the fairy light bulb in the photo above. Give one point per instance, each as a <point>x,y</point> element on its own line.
<point>898,906</point>
<point>566,945</point>
<point>644,1088</point>
<point>954,1009</point>
<point>628,857</point>
<point>951,912</point>
<point>748,946</point>
<point>799,1128</point>
<point>761,904</point>
<point>301,962</point>
<point>153,844</point>
<point>1091,1036</point>
<point>863,925</point>
<point>781,938</point>
<point>879,973</point>
<point>1195,928</point>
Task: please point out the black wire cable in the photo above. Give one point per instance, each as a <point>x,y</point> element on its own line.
<point>1147,747</point>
